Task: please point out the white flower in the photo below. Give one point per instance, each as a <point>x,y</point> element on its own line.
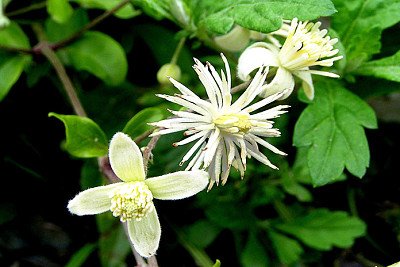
<point>305,46</point>
<point>226,132</point>
<point>132,199</point>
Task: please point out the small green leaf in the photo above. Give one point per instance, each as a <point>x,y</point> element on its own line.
<point>322,229</point>
<point>387,68</point>
<point>217,263</point>
<point>100,55</point>
<point>59,10</point>
<point>332,127</point>
<point>138,124</point>
<point>79,258</point>
<point>85,139</point>
<point>262,15</point>
<point>11,67</point>
<point>125,12</point>
<point>254,254</point>
<point>56,32</point>
<point>287,249</point>
<point>292,187</point>
<point>158,9</point>
<point>14,36</point>
<point>203,233</point>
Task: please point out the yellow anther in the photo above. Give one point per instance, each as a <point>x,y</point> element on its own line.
<point>233,123</point>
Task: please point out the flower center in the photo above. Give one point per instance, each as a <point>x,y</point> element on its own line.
<point>233,123</point>
<point>131,200</point>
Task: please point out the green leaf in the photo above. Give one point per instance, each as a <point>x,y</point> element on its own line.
<point>100,55</point>
<point>322,229</point>
<point>90,174</point>
<point>360,23</point>
<point>254,254</point>
<point>332,127</point>
<point>125,12</point>
<point>81,255</point>
<point>56,32</point>
<point>158,9</point>
<point>230,215</point>
<point>14,36</point>
<point>138,124</point>
<point>262,15</point>
<point>59,10</point>
<point>292,187</point>
<point>85,139</point>
<point>287,249</point>
<point>387,68</point>
<point>11,67</point>
<point>203,233</point>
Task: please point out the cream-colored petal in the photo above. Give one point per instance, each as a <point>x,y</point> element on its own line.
<point>145,234</point>
<point>126,159</point>
<point>254,57</point>
<point>234,41</point>
<point>282,81</point>
<point>307,83</point>
<point>92,201</point>
<point>177,185</point>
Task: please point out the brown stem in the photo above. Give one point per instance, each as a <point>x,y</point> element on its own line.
<point>26,9</point>
<point>88,26</point>
<point>147,155</point>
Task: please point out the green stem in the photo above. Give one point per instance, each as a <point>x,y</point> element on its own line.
<point>178,50</point>
<point>26,9</point>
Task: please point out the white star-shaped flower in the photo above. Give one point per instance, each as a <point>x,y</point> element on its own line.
<point>305,46</point>
<point>225,132</point>
<point>132,199</point>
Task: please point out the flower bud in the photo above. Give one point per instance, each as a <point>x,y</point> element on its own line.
<point>4,22</point>
<point>234,41</point>
<point>168,70</point>
<point>180,11</point>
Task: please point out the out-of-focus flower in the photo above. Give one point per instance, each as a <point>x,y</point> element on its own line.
<point>132,199</point>
<point>305,46</point>
<point>225,132</point>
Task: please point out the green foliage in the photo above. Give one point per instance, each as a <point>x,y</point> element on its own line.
<point>59,10</point>
<point>287,249</point>
<point>85,139</point>
<point>386,68</point>
<point>332,128</point>
<point>138,124</point>
<point>100,55</point>
<point>79,258</point>
<point>14,36</point>
<point>254,254</point>
<point>321,229</point>
<point>125,12</point>
<point>158,9</point>
<point>260,15</point>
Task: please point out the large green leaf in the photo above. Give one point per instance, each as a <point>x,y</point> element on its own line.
<point>386,68</point>
<point>14,36</point>
<point>287,249</point>
<point>85,139</point>
<point>125,12</point>
<point>332,127</point>
<point>11,67</point>
<point>322,229</point>
<point>138,124</point>
<point>100,55</point>
<point>59,10</point>
<point>261,15</point>
<point>360,23</point>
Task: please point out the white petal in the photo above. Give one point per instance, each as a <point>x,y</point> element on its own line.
<point>126,159</point>
<point>177,185</point>
<point>92,201</point>
<point>253,58</point>
<point>283,80</point>
<point>308,85</point>
<point>145,234</point>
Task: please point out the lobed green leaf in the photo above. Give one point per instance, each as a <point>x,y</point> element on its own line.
<point>322,229</point>
<point>287,249</point>
<point>100,55</point>
<point>332,128</point>
<point>85,139</point>
<point>387,68</point>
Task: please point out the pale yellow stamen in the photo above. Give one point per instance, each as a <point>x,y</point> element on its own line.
<point>233,123</point>
<point>131,200</point>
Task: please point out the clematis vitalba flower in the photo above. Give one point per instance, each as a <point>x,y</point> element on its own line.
<point>305,46</point>
<point>226,133</point>
<point>132,199</point>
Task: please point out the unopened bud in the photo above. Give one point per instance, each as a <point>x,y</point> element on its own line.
<point>234,41</point>
<point>180,11</point>
<point>168,70</point>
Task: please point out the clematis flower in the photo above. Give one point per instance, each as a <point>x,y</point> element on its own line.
<point>132,199</point>
<point>305,46</point>
<point>226,133</point>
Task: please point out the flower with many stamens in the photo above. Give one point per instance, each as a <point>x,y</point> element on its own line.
<point>132,199</point>
<point>225,132</point>
<point>305,46</point>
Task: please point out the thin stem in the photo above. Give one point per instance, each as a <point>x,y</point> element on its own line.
<point>147,155</point>
<point>240,87</point>
<point>88,26</point>
<point>65,80</point>
<point>178,50</point>
<point>26,9</point>
<point>17,49</point>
